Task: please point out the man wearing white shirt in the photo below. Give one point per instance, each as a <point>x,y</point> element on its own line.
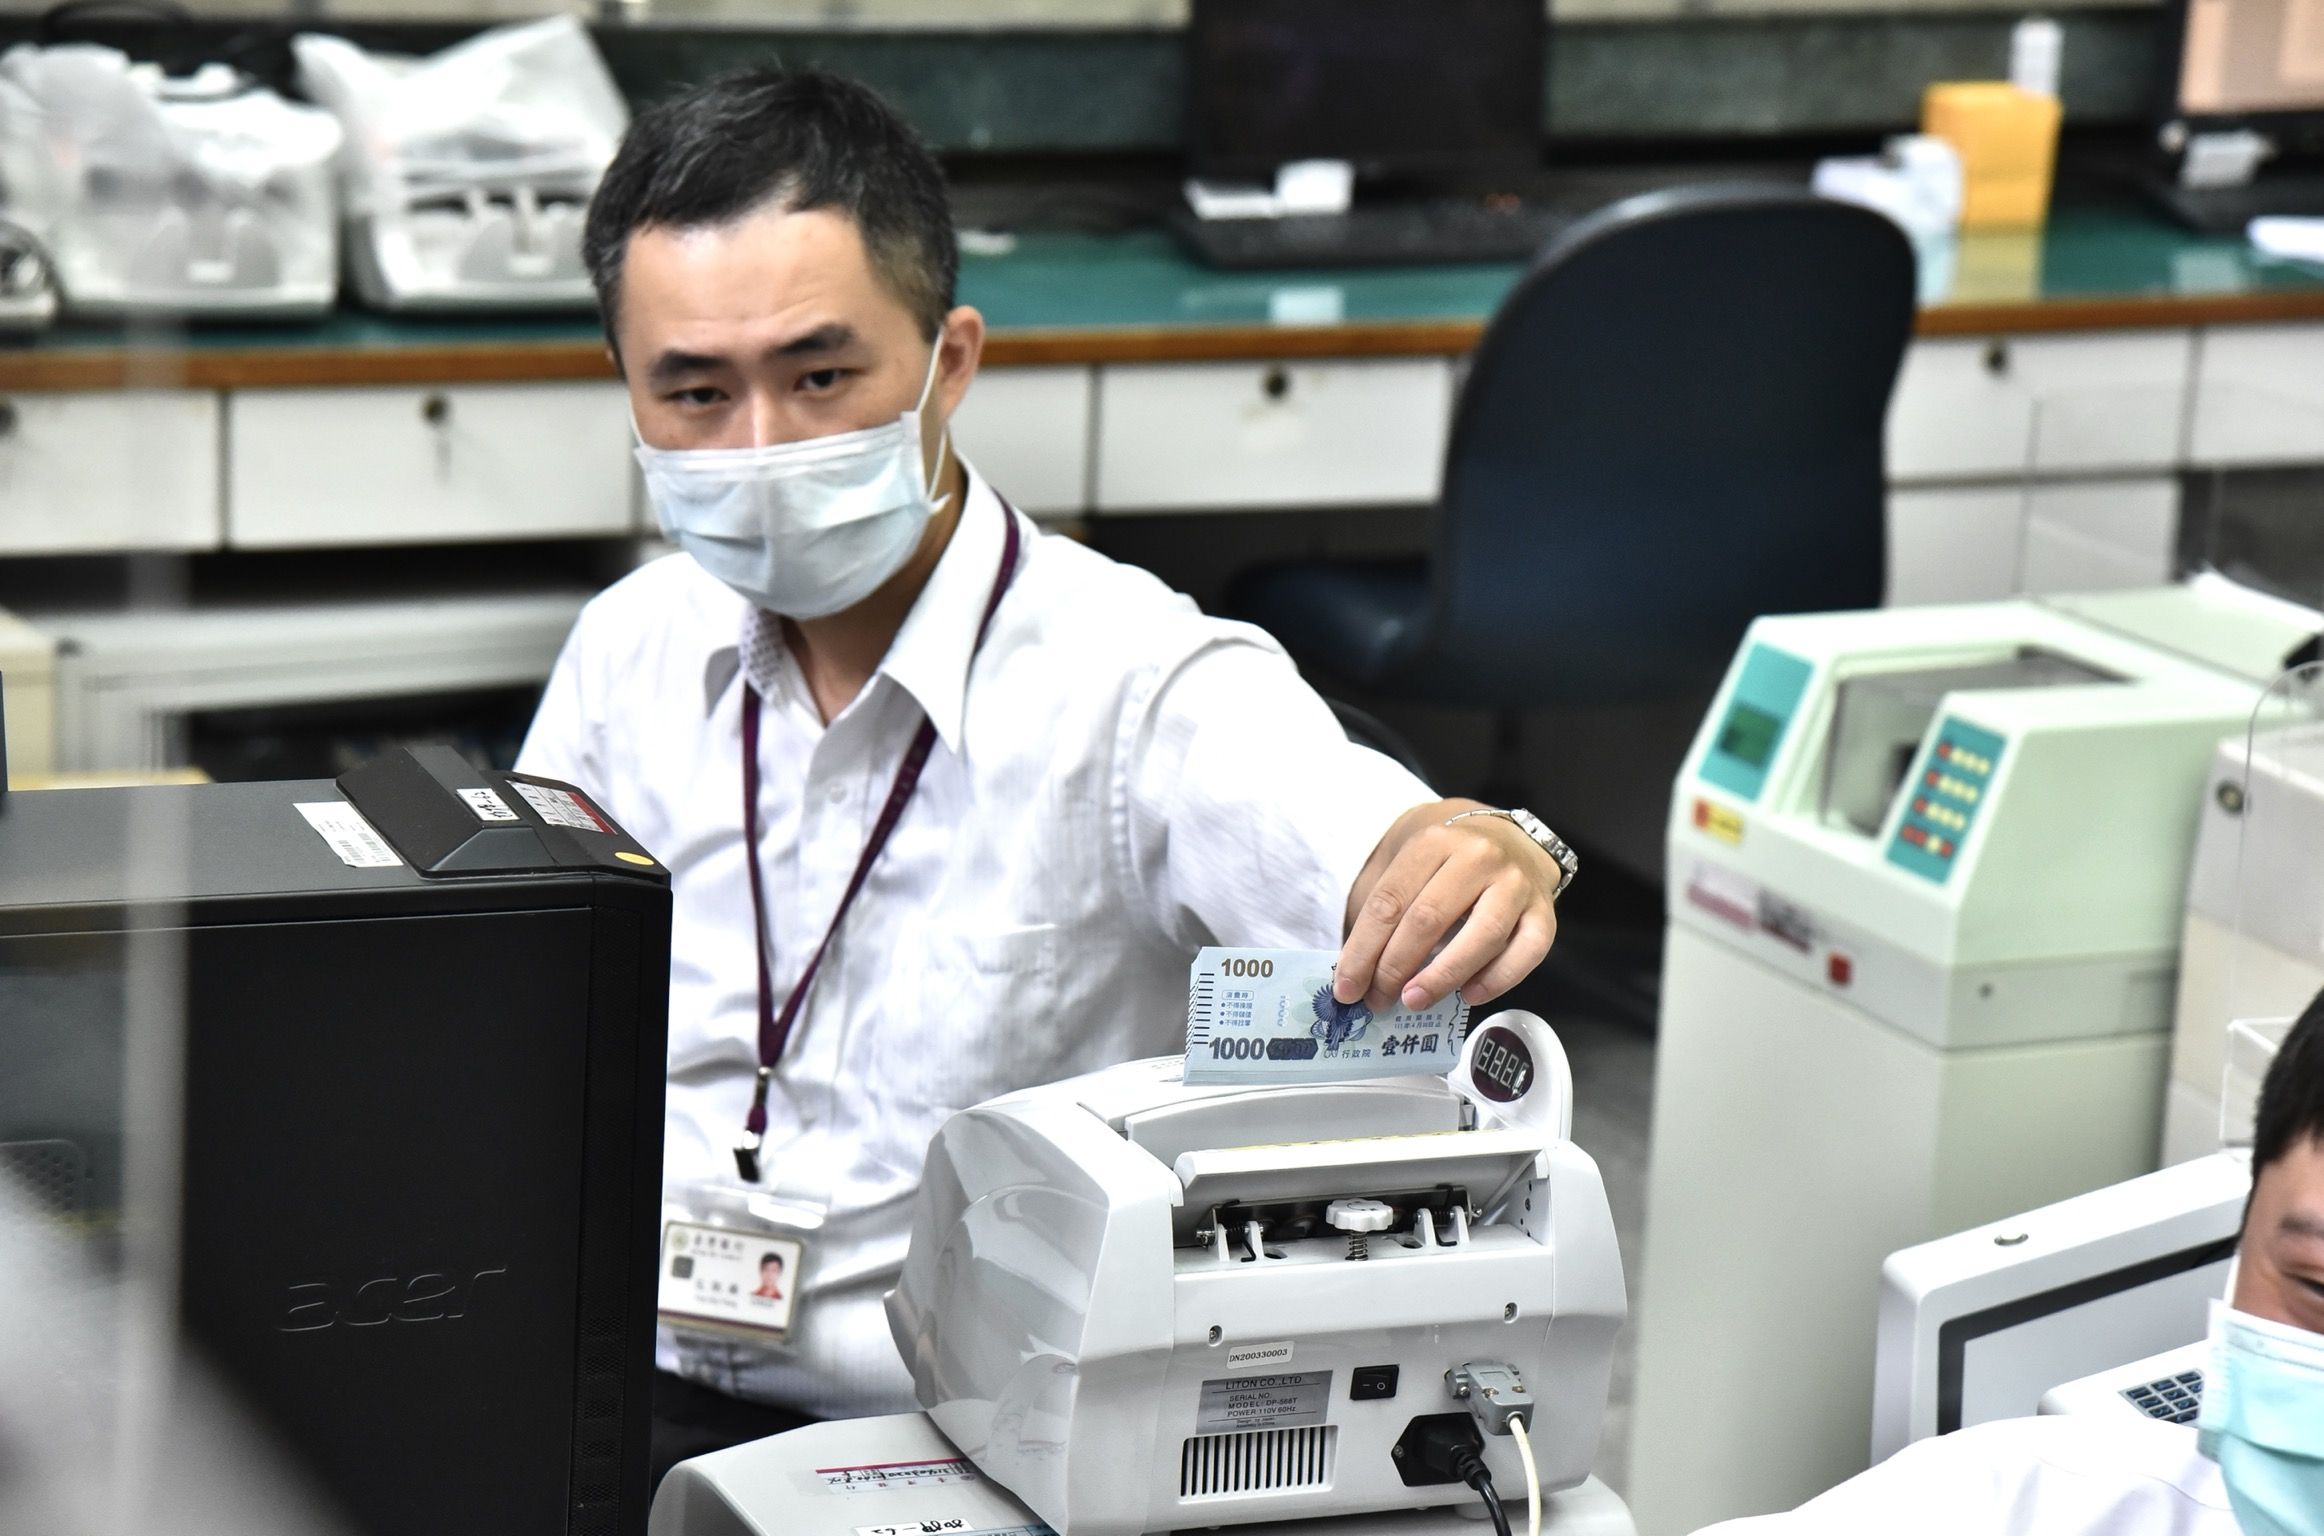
<point>2252,1464</point>
<point>1001,787</point>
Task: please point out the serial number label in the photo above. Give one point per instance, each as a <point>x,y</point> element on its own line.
<point>892,1476</point>
<point>950,1526</point>
<point>1283,1401</point>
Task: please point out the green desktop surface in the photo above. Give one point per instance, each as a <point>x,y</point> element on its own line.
<point>1141,281</point>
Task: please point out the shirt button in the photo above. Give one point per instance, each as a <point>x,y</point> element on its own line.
<point>838,793</point>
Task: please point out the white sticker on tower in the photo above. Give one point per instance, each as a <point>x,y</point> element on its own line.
<point>559,807</point>
<point>487,805</point>
<point>350,836</point>
<point>1259,1357</point>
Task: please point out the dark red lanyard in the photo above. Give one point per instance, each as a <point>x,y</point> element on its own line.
<point>774,1024</point>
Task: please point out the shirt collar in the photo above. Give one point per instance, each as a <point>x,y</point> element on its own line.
<point>929,656</point>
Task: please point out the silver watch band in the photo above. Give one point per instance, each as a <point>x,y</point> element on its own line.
<point>1569,865</point>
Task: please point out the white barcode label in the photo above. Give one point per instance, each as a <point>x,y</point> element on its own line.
<point>487,805</point>
<point>559,808</point>
<point>350,836</point>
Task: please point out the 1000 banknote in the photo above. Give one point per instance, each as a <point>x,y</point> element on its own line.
<point>1268,1016</point>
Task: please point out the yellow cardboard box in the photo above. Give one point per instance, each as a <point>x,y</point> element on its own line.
<point>2008,142</point>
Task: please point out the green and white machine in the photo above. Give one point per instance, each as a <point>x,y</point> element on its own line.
<point>1926,870</point>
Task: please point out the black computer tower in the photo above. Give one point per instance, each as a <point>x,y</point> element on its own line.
<point>422,1115</point>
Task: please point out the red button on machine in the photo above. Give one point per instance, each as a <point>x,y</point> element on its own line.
<point>1839,968</point>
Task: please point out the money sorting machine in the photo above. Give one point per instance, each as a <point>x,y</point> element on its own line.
<point>1925,874</point>
<point>1135,1305</point>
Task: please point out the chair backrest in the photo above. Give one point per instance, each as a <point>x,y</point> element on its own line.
<point>1673,424</point>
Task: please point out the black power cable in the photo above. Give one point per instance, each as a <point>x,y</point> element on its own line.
<point>1477,1475</point>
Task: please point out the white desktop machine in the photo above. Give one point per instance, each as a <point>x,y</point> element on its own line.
<point>1132,1305</point>
<point>1926,870</point>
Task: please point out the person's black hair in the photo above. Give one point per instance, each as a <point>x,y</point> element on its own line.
<point>772,1258</point>
<point>2291,1098</point>
<point>759,135</point>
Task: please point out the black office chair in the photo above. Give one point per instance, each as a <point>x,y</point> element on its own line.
<point>1673,424</point>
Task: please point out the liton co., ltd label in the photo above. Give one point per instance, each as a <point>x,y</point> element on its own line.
<point>1282,1401</point>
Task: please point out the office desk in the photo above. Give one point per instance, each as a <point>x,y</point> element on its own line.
<point>1111,355</point>
<point>1060,299</point>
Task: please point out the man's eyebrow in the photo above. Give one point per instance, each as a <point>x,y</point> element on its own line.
<point>675,364</point>
<point>824,338</point>
<point>2302,1224</point>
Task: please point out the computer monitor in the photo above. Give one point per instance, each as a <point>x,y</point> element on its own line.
<point>2244,59</point>
<point>1420,89</point>
<point>1978,1326</point>
<point>417,1145</point>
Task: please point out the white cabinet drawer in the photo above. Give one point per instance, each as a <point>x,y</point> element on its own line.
<point>2259,396</point>
<point>2011,405</point>
<point>1027,432</point>
<point>1953,544</point>
<point>112,470</point>
<point>1975,543</point>
<point>2100,535</point>
<point>312,467</point>
<point>1202,435</point>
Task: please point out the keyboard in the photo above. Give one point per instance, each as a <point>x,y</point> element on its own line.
<point>2173,1399</point>
<point>2227,210</point>
<point>1420,232</point>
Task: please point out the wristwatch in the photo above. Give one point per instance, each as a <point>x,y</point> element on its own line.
<point>1537,829</point>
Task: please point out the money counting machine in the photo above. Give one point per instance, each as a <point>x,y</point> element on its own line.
<point>1132,1305</point>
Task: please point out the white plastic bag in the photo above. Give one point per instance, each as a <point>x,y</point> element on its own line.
<point>195,195</point>
<point>467,173</point>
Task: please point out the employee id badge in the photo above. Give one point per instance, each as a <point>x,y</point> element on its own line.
<point>734,1258</point>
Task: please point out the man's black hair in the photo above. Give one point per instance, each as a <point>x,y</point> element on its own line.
<point>772,1258</point>
<point>719,151</point>
<point>2291,1099</point>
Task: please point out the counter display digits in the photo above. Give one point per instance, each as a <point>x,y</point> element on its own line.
<point>1502,1066</point>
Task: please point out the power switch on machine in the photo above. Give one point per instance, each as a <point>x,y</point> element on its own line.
<point>1372,1383</point>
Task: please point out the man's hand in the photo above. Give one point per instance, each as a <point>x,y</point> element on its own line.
<point>1481,883</point>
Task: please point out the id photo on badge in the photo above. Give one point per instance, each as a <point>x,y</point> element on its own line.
<point>729,1279</point>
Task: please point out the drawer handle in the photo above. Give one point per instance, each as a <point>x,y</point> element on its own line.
<point>1997,358</point>
<point>435,410</point>
<point>1276,384</point>
<point>9,420</point>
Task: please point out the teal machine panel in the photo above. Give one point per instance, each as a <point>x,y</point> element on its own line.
<point>1954,782</point>
<point>1766,695</point>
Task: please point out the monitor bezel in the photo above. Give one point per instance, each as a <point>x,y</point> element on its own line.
<point>2301,128</point>
<point>1956,1334</point>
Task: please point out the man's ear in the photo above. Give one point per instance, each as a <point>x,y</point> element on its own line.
<point>961,348</point>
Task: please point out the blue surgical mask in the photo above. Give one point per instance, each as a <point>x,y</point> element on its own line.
<point>802,529</point>
<point>2263,1421</point>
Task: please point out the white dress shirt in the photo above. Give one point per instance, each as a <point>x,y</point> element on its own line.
<point>2074,1474</point>
<point>1117,780</point>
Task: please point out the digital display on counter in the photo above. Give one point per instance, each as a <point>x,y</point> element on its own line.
<point>1749,735</point>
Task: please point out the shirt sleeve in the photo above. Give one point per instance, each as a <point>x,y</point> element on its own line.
<point>566,740</point>
<point>1249,812</point>
<point>1981,1481</point>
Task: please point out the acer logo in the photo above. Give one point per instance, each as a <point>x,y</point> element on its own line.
<point>427,1298</point>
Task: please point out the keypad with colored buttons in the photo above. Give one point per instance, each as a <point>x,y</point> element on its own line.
<point>1943,798</point>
